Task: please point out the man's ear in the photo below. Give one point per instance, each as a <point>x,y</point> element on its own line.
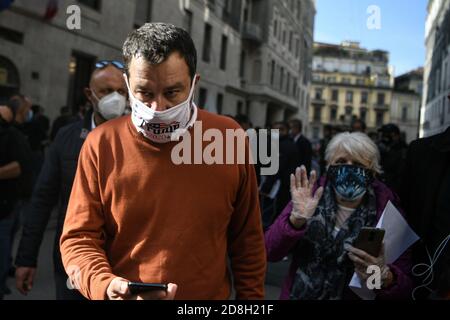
<point>196,79</point>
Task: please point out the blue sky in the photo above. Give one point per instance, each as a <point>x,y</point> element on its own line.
<point>402,29</point>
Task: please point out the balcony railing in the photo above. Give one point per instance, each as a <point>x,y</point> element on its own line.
<point>381,106</point>
<point>252,32</point>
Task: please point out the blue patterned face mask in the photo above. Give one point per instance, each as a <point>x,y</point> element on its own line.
<point>349,181</point>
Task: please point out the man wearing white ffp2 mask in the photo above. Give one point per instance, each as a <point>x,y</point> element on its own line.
<point>108,94</point>
<point>111,106</point>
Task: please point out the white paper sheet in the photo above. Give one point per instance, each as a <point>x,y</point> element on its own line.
<point>398,238</point>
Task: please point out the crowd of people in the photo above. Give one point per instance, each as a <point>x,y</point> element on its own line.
<point>126,212</point>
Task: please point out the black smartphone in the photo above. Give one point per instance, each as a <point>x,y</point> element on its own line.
<point>370,240</point>
<point>139,287</point>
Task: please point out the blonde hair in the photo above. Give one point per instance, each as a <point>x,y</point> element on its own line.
<point>357,145</point>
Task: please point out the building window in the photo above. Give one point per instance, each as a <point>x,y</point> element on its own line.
<point>364,97</point>
<point>142,12</point>
<point>242,64</point>
<point>219,103</point>
<point>331,79</point>
<point>188,20</point>
<point>363,114</point>
<point>317,113</point>
<point>281,79</point>
<point>295,88</point>
<point>272,72</point>
<point>316,133</point>
<point>360,82</point>
<point>11,35</point>
<point>223,53</point>
<point>240,107</point>
<point>288,85</point>
<point>81,66</point>
<point>335,95</point>
<point>291,35</point>
<point>94,4</point>
<point>346,80</point>
<point>318,94</point>
<point>256,71</point>
<point>275,27</point>
<point>9,77</point>
<point>379,118</point>
<point>211,4</point>
<point>405,113</point>
<point>333,113</point>
<point>380,99</point>
<point>348,111</point>
<point>207,43</point>
<point>227,8</point>
<point>349,97</point>
<point>202,98</point>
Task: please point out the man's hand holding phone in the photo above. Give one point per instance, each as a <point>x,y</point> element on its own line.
<point>119,289</point>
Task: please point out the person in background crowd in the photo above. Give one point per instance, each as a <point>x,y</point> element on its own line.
<point>288,160</point>
<point>303,145</point>
<point>65,117</point>
<point>425,191</point>
<point>359,126</point>
<point>42,121</point>
<point>327,136</point>
<point>14,167</point>
<point>393,155</point>
<point>246,124</point>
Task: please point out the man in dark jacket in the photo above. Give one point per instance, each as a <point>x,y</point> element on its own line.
<point>303,145</point>
<point>425,195</point>
<point>14,165</point>
<point>392,155</point>
<point>55,181</point>
<point>288,162</point>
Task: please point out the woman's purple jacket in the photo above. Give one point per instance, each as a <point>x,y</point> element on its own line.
<point>281,237</point>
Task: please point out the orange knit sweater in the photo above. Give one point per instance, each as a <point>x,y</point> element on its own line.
<point>134,214</point>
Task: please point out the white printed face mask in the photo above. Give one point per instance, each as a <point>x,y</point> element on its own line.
<point>111,106</point>
<point>162,126</point>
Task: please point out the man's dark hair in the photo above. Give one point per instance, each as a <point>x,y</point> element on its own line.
<point>283,124</point>
<point>361,123</point>
<point>156,41</point>
<point>241,119</point>
<point>390,128</point>
<point>297,124</point>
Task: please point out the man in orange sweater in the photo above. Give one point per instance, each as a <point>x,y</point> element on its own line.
<point>136,215</point>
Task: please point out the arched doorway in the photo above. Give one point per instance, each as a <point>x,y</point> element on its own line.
<point>9,78</point>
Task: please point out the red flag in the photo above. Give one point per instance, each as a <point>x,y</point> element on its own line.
<point>52,9</point>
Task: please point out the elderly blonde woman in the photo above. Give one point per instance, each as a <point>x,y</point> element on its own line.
<point>323,219</point>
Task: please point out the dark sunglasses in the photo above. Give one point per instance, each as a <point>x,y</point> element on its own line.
<point>103,63</point>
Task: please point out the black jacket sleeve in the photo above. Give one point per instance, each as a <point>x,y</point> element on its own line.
<point>45,197</point>
<point>305,153</point>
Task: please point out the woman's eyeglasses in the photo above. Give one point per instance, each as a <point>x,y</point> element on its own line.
<point>104,63</point>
